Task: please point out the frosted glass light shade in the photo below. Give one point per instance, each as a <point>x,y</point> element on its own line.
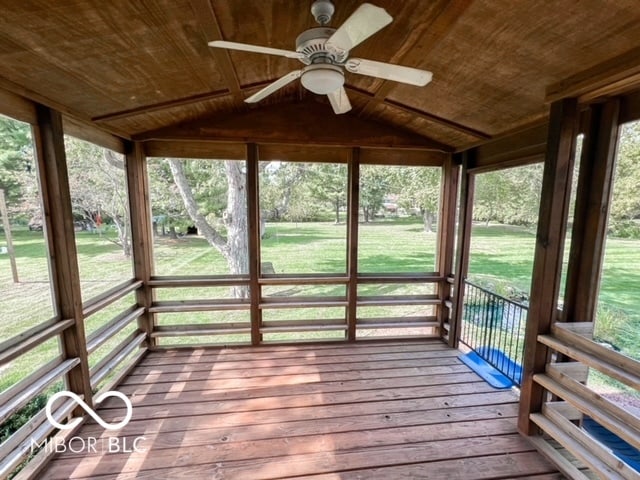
<point>322,80</point>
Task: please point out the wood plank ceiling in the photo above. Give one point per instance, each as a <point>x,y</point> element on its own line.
<point>141,66</point>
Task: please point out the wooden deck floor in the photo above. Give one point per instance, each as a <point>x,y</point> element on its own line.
<point>387,411</point>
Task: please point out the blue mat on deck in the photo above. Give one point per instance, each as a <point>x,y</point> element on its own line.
<point>620,448</point>
<point>490,374</point>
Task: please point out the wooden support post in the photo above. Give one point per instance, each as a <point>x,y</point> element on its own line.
<point>253,219</point>
<point>58,216</point>
<point>4,216</point>
<point>595,185</point>
<point>141,233</point>
<point>547,267</point>
<point>353,203</point>
<point>446,236</point>
<point>465,222</point>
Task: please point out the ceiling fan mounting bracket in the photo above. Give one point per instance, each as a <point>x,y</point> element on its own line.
<point>322,11</point>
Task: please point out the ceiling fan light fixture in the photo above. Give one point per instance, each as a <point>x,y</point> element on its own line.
<point>322,79</point>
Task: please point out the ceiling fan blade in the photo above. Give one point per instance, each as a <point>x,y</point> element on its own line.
<point>364,22</point>
<point>255,48</point>
<point>339,101</point>
<point>272,87</point>
<point>388,71</point>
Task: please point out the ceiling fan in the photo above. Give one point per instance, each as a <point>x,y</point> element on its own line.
<point>325,52</point>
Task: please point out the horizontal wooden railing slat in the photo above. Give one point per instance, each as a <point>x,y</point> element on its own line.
<point>17,448</point>
<point>21,344</point>
<point>600,415</point>
<point>398,322</point>
<point>40,461</point>
<point>327,327</point>
<point>16,397</point>
<point>108,330</point>
<point>568,441</point>
<point>116,356</point>
<point>397,300</point>
<point>574,335</point>
<point>623,375</point>
<point>567,380</point>
<point>431,277</point>
<point>126,370</point>
<point>597,401</point>
<point>597,449</point>
<point>189,330</point>
<point>198,281</point>
<point>110,296</point>
<point>303,280</point>
<point>303,302</point>
<point>564,465</point>
<point>177,306</point>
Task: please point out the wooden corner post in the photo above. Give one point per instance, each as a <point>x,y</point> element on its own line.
<point>141,233</point>
<point>465,222</point>
<point>446,237</point>
<point>48,139</point>
<point>595,186</point>
<point>253,219</point>
<point>547,266</point>
<point>353,202</point>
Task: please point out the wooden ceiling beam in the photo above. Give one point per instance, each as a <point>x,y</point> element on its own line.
<point>372,100</point>
<point>436,29</point>
<point>178,102</point>
<point>28,94</point>
<point>617,75</point>
<point>211,30</point>
<point>295,123</point>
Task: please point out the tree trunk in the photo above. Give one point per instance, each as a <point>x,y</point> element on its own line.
<point>235,248</point>
<point>236,222</point>
<point>123,235</point>
<point>427,218</point>
<point>337,205</point>
<point>208,232</point>
<point>172,233</point>
<point>263,225</point>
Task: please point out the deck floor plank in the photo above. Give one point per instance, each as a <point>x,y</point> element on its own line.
<point>308,412</point>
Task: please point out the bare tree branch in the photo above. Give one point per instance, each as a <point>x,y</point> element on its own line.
<point>113,159</point>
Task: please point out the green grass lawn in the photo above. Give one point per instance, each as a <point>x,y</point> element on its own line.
<point>502,257</point>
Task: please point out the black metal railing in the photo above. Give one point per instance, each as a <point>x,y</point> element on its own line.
<point>493,326</point>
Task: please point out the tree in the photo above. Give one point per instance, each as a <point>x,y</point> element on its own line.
<point>97,183</point>
<point>328,184</point>
<point>510,196</point>
<point>201,196</point>
<point>419,188</point>
<point>279,184</point>
<point>625,207</point>
<point>17,170</point>
<point>168,210</point>
<point>375,182</point>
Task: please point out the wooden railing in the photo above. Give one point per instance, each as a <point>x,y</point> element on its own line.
<point>570,400</point>
<point>106,373</point>
<point>280,302</point>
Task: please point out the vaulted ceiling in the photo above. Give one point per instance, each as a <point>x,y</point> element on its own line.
<point>135,67</point>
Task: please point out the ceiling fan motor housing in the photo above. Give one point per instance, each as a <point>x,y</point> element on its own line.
<point>311,43</point>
